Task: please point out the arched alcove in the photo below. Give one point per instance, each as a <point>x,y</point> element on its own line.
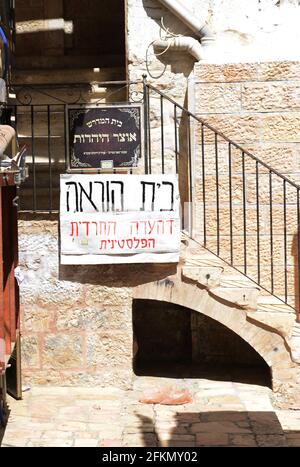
<point>175,341</point>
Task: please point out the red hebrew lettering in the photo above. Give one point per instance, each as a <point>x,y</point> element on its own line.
<point>151,240</point>
<point>112,242</point>
<point>96,226</point>
<point>103,242</point>
<point>111,225</point>
<point>76,229</point>
<point>144,242</point>
<point>129,242</point>
<point>171,221</point>
<point>121,243</point>
<point>161,224</point>
<point>102,227</point>
<point>137,242</point>
<point>145,226</point>
<point>151,226</point>
<point>87,224</point>
<point>136,225</point>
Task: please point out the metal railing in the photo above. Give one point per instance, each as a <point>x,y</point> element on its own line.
<point>242,210</point>
<point>39,116</point>
<point>235,204</point>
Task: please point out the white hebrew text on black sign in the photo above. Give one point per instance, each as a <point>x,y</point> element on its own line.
<point>99,134</point>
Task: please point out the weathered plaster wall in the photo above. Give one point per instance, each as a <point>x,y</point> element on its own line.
<point>76,320</point>
<point>245,30</point>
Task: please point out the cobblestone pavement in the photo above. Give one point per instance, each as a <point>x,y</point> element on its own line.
<point>221,414</point>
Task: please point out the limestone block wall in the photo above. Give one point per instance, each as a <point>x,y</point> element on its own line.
<point>257,106</point>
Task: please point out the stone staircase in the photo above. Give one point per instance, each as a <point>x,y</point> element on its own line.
<point>229,286</point>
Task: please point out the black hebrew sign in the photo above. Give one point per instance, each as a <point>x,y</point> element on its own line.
<point>104,137</point>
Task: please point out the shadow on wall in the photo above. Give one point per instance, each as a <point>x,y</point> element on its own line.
<point>179,62</point>
<point>219,429</point>
<point>117,275</point>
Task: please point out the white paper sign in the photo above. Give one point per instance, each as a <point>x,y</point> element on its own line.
<point>119,219</point>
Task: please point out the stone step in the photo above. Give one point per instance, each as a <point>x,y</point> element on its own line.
<point>272,304</point>
<point>282,323</point>
<point>202,259</point>
<point>206,276</point>
<point>243,297</point>
<point>233,281</point>
<point>294,342</point>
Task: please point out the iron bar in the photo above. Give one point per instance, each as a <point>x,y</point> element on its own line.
<point>65,137</point>
<point>285,242</point>
<point>49,158</point>
<point>146,123</point>
<point>162,137</point>
<point>257,220</point>
<point>190,171</point>
<point>217,193</point>
<point>176,138</point>
<point>271,230</point>
<point>149,134</point>
<point>33,157</point>
<point>203,182</point>
<point>244,212</point>
<point>298,255</point>
<point>230,202</point>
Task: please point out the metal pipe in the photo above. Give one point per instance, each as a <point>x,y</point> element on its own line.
<point>200,28</point>
<point>184,44</point>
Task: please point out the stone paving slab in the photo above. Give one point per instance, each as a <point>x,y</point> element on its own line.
<point>221,414</point>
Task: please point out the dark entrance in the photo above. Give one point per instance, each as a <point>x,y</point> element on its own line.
<point>70,34</point>
<point>176,342</point>
<point>163,334</point>
<point>67,52</point>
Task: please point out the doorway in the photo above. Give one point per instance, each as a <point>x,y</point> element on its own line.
<point>70,34</point>
<point>177,342</point>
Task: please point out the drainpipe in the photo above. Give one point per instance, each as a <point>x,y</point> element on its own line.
<point>184,44</point>
<point>200,28</point>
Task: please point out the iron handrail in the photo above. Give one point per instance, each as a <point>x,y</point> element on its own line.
<point>219,133</point>
<point>280,284</point>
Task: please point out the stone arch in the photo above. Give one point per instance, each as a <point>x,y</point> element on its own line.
<point>268,344</point>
